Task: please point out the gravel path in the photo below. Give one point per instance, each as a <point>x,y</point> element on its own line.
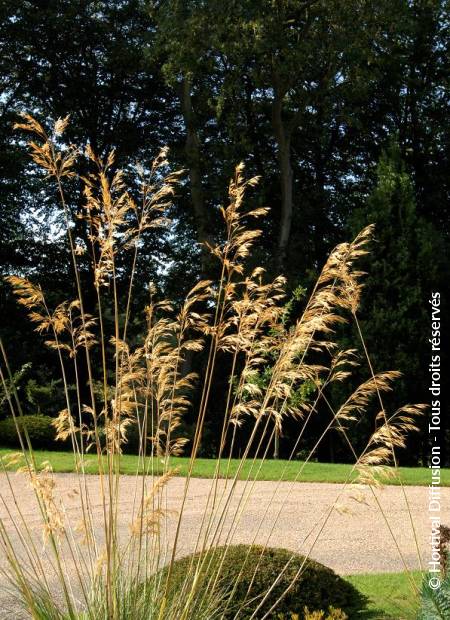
<point>354,535</point>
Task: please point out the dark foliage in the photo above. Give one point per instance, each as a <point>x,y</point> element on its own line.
<point>38,427</point>
<point>254,570</point>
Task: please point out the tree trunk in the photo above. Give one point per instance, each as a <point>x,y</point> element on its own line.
<point>283,138</point>
<point>193,159</point>
<point>276,446</point>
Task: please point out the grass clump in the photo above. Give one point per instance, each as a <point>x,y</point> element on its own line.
<point>435,594</point>
<point>101,568</point>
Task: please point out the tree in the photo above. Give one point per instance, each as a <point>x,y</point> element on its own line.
<point>307,93</point>
<point>86,60</point>
<point>406,264</point>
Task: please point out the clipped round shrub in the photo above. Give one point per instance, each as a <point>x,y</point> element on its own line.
<point>39,428</point>
<point>317,588</point>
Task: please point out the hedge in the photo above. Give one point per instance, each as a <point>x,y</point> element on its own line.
<point>39,428</point>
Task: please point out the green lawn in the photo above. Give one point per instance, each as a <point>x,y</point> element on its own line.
<point>269,470</point>
<point>391,595</point>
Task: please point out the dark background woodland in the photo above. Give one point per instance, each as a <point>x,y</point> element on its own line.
<point>341,106</point>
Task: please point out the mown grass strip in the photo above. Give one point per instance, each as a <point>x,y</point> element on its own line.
<point>390,595</point>
<point>63,462</point>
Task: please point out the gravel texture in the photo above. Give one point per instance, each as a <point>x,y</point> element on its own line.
<point>343,527</point>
